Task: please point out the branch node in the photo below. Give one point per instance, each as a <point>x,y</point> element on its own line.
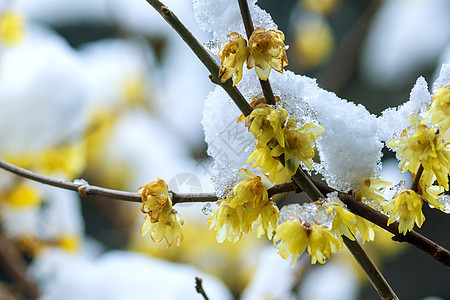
<point>83,187</point>
<point>199,287</point>
<point>214,79</point>
<point>165,10</point>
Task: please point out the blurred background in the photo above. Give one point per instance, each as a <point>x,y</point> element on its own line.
<point>104,90</point>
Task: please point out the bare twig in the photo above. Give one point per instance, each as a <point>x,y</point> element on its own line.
<point>199,287</point>
<point>248,24</point>
<point>436,251</point>
<point>415,184</point>
<point>202,54</point>
<point>371,270</point>
<point>85,189</point>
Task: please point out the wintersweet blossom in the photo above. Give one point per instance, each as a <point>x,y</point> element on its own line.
<point>369,193</point>
<point>268,164</point>
<point>11,28</point>
<point>426,147</point>
<point>429,192</point>
<point>344,222</point>
<point>233,55</point>
<point>439,113</point>
<point>246,205</point>
<point>267,50</point>
<point>298,146</point>
<point>161,220</point>
<point>167,226</point>
<point>406,206</point>
<point>266,122</point>
<point>294,237</point>
<point>155,199</point>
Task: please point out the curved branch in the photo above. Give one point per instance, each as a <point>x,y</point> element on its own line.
<point>433,249</point>
<point>85,189</point>
<point>202,54</point>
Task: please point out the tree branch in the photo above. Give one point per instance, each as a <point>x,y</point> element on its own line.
<point>311,190</point>
<point>85,189</point>
<point>202,54</point>
<point>371,270</point>
<point>199,287</point>
<point>433,249</point>
<point>248,24</point>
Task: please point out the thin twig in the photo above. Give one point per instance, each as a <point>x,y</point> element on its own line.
<point>85,189</point>
<point>199,287</point>
<point>415,184</point>
<point>202,54</point>
<point>436,251</point>
<point>248,24</point>
<point>376,278</point>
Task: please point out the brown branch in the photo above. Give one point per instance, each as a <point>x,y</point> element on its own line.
<point>433,249</point>
<point>85,189</point>
<point>14,267</point>
<point>415,184</point>
<point>202,55</point>
<point>248,24</point>
<point>199,287</point>
<point>371,270</point>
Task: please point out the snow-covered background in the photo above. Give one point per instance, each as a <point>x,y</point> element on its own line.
<point>108,88</point>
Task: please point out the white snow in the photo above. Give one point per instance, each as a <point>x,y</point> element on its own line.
<point>393,120</point>
<point>119,275</point>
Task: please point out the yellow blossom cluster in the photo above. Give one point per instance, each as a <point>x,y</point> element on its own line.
<point>246,205</point>
<point>161,220</point>
<point>424,147</point>
<point>277,139</point>
<point>295,235</point>
<point>406,205</point>
<point>266,50</point>
<point>439,113</point>
<point>425,153</point>
<point>370,194</point>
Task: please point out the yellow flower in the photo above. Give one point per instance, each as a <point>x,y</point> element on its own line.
<point>233,55</point>
<point>294,238</point>
<point>167,226</point>
<point>426,147</point>
<point>298,146</point>
<point>247,205</point>
<point>227,222</point>
<point>11,28</point>
<point>365,228</point>
<point>429,192</point>
<point>407,206</point>
<point>267,50</point>
<point>369,191</point>
<point>155,199</point>
<point>439,113</point>
<point>344,222</point>
<point>264,160</point>
<point>266,122</point>
<point>22,195</point>
<point>161,220</point>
